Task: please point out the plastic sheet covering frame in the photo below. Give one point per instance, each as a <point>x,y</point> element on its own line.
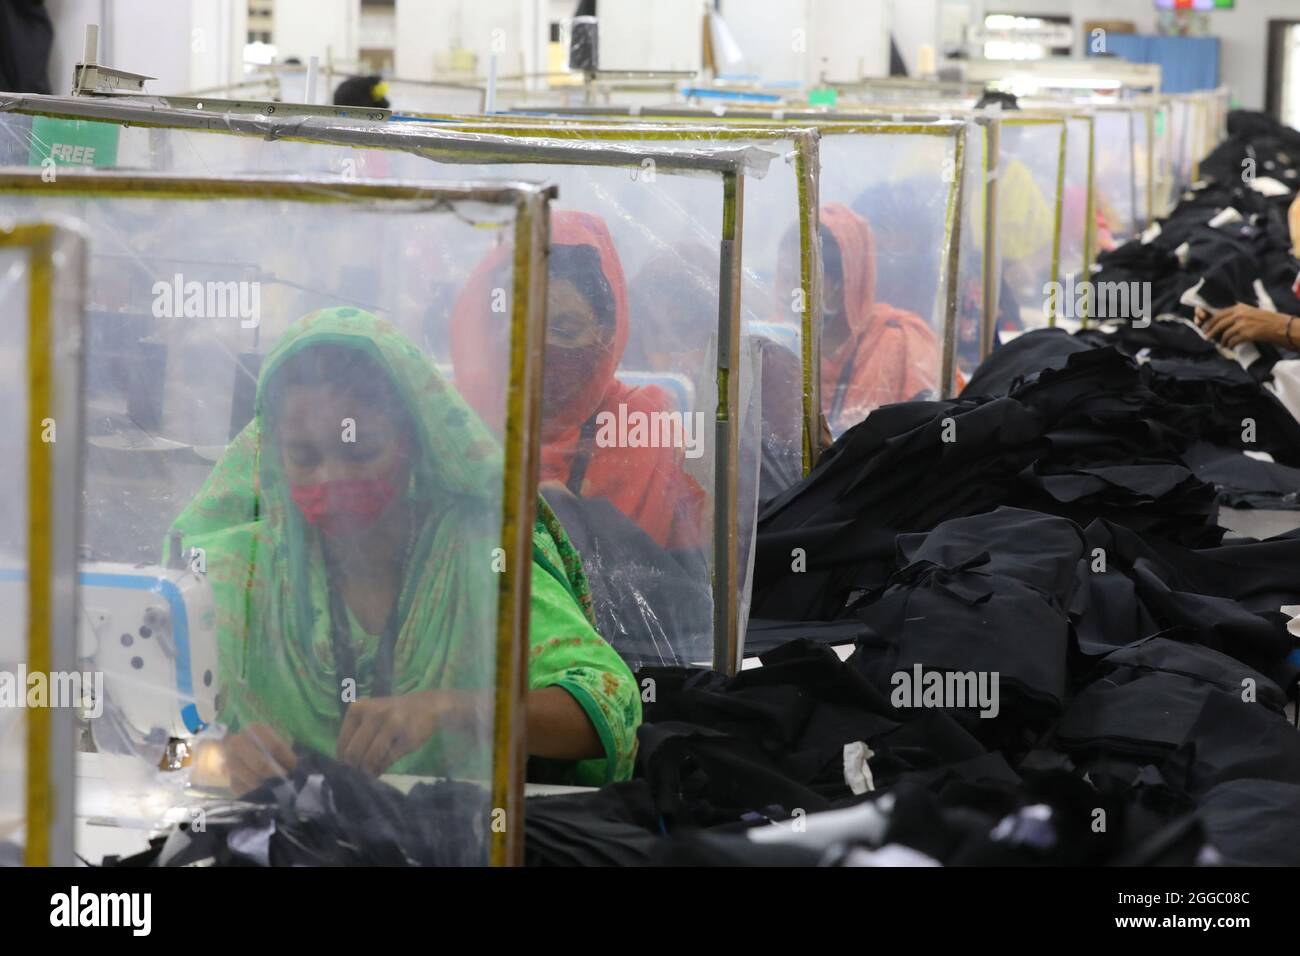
<point>1129,113</point>
<point>55,272</point>
<point>989,122</point>
<point>520,442</point>
<point>887,120</point>
<point>806,163</point>
<point>829,124</point>
<point>1019,119</point>
<point>420,139</point>
<point>484,148</point>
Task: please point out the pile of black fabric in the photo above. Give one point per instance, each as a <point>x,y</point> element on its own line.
<point>1057,526</point>
<point>1229,231</point>
<point>327,813</point>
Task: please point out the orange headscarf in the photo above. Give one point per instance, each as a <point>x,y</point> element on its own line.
<point>648,485</point>
<point>891,355</point>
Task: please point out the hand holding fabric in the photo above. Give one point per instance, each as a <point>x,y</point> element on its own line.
<point>380,730</point>
<point>1246,323</point>
<point>255,754</point>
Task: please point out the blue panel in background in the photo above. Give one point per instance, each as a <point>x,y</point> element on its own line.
<point>1186,63</point>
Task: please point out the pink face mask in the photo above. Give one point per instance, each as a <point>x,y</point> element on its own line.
<point>345,506</point>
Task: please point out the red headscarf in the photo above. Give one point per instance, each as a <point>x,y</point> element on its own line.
<point>648,485</point>
<point>891,355</point>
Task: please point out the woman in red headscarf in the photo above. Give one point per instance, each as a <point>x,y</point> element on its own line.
<point>587,331</point>
<point>873,354</point>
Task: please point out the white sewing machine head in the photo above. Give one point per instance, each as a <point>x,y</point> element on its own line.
<point>151,631</point>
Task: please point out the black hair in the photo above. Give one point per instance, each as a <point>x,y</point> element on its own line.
<point>360,91</point>
<point>580,265</point>
<point>1007,101</point>
<point>352,371</point>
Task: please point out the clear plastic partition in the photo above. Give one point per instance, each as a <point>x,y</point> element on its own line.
<point>1114,180</point>
<point>1029,201</point>
<point>414,96</point>
<point>1081,236</point>
<point>630,457</point>
<point>779,208</point>
<point>977,265</point>
<point>300,537</point>
<point>888,198</point>
<point>44,690</point>
<point>638,237</point>
<point>1162,159</point>
<point>1179,132</point>
<point>1143,166</point>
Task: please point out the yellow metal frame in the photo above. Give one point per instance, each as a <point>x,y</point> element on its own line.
<point>519,488</point>
<point>37,240</point>
<point>578,124</point>
<point>596,128</point>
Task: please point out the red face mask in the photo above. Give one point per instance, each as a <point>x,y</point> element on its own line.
<point>341,507</point>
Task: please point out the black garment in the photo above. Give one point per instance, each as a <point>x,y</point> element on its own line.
<point>1198,714</point>
<point>26,38</point>
<point>653,606</point>
<point>326,813</point>
<point>985,595</point>
<point>1245,482</point>
<point>615,826</point>
<point>1253,822</point>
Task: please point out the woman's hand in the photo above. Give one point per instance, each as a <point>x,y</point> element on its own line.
<point>255,754</point>
<point>378,731</point>
<point>1244,323</point>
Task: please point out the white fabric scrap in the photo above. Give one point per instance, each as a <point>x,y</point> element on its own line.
<point>1225,217</point>
<point>1269,186</point>
<point>857,772</point>
<point>891,854</point>
<point>1286,385</point>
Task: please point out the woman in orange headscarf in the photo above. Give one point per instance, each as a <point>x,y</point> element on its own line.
<point>873,354</point>
<point>587,331</point>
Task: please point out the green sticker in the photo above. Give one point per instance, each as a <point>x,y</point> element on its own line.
<point>1160,122</point>
<point>821,96</point>
<point>73,142</point>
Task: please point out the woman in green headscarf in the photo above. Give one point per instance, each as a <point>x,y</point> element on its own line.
<point>350,533</point>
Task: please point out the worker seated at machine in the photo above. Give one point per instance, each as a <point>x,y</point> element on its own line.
<point>356,602</point>
<point>640,520</point>
<point>872,353</point>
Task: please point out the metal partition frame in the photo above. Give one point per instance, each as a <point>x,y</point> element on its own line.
<point>829,124</point>
<point>807,162</point>
<point>730,165</point>
<point>520,445</point>
<point>1023,119</point>
<point>57,262</point>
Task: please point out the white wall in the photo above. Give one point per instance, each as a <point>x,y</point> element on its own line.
<point>662,35</point>
<point>1243,32</point>
<point>914,23</point>
<point>514,29</point>
<point>802,39</point>
<point>186,44</point>
<point>307,28</point>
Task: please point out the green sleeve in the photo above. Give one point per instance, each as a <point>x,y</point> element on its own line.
<point>567,652</point>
